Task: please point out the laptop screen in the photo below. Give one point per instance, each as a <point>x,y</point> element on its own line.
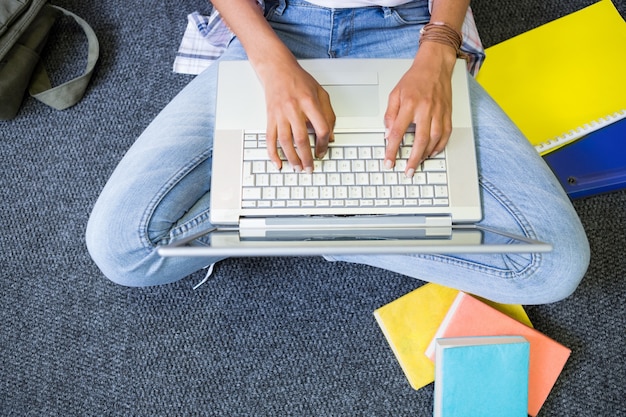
<point>460,239</point>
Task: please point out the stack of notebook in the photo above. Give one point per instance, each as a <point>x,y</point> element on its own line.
<point>561,85</point>
<point>436,330</point>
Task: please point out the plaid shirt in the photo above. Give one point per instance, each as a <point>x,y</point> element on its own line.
<point>206,38</point>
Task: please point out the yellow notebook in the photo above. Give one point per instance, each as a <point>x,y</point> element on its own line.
<point>563,80</point>
<point>410,322</point>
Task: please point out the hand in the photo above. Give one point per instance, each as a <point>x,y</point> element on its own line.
<point>423,96</point>
<point>293,98</point>
<point>295,101</point>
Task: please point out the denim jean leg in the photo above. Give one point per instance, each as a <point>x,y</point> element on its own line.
<point>159,192</point>
<point>519,195</point>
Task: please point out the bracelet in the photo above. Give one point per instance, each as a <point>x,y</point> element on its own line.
<point>443,33</point>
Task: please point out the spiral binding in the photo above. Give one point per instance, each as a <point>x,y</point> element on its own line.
<point>579,132</point>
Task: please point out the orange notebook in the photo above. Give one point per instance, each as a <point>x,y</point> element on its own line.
<point>468,316</point>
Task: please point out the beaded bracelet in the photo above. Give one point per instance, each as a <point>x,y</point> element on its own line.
<point>443,33</point>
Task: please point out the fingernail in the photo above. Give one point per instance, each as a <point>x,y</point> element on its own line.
<point>308,170</point>
<point>388,164</point>
<point>297,168</point>
<point>278,167</point>
<point>435,153</point>
<point>322,155</point>
<point>410,173</point>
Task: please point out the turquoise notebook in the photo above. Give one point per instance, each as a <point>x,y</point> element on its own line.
<point>483,376</point>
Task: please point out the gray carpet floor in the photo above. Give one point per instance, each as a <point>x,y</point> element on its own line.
<point>264,337</point>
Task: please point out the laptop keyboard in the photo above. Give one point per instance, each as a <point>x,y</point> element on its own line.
<point>351,174</point>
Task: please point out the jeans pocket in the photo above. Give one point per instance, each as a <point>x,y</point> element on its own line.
<point>412,13</point>
<point>283,11</point>
<point>270,9</point>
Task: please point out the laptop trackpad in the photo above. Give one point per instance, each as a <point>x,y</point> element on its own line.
<point>354,100</point>
<point>352,94</point>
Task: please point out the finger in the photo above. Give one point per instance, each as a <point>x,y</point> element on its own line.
<point>393,108</point>
<point>420,143</point>
<point>323,124</point>
<point>330,115</point>
<point>395,133</point>
<point>444,138</point>
<point>302,144</point>
<point>285,138</point>
<point>435,136</point>
<point>271,138</point>
<point>391,114</point>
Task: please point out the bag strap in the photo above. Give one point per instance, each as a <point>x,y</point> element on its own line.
<point>70,92</point>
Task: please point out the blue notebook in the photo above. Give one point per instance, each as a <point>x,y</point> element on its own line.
<point>483,376</point>
<point>594,164</point>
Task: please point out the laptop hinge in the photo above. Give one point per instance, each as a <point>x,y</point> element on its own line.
<point>388,226</point>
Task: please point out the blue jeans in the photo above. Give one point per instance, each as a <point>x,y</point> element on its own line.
<point>159,192</point>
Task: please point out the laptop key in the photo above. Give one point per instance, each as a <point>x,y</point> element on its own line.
<point>350,175</point>
<point>431,165</point>
<point>251,193</point>
<point>437,178</point>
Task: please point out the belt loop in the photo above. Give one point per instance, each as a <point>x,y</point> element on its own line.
<point>282,5</point>
<point>387,11</point>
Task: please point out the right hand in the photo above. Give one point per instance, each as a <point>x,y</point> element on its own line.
<point>295,101</point>
<point>423,96</point>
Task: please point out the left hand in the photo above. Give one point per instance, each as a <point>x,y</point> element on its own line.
<point>423,96</point>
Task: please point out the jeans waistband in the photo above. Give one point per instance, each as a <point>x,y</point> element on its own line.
<point>282,4</point>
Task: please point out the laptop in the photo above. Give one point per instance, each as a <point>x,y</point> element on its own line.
<point>350,204</point>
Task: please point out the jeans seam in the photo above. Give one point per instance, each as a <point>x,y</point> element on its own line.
<point>535,258</point>
<point>402,21</point>
<point>280,8</point>
<point>524,224</point>
<point>393,12</point>
<point>151,208</point>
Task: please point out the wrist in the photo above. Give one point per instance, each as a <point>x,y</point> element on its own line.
<point>267,63</point>
<point>434,52</point>
<point>442,34</point>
